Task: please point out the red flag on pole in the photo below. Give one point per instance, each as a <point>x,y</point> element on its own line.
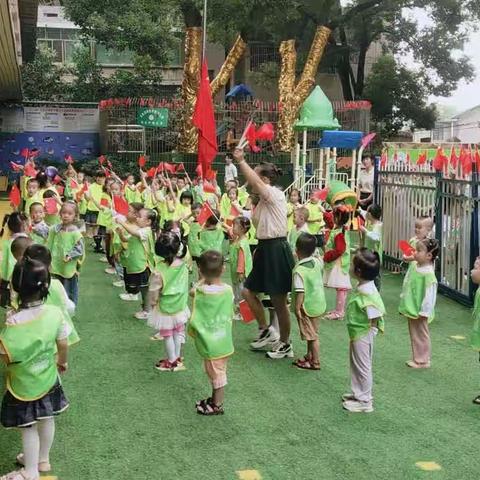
<point>453,158</point>
<point>51,206</point>
<point>68,159</point>
<point>120,205</point>
<point>16,167</point>
<point>204,214</point>
<point>14,195</point>
<point>142,161</point>
<point>204,120</point>
<point>29,170</point>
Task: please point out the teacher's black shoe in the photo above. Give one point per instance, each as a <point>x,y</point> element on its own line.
<point>267,338</point>
<point>281,350</point>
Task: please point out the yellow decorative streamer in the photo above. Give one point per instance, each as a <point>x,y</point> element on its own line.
<point>291,97</point>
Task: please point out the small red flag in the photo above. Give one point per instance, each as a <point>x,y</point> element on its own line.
<point>25,152</point>
<point>168,167</point>
<point>180,167</point>
<point>205,214</point>
<point>204,119</point>
<point>51,206</point>
<point>29,170</point>
<point>453,158</point>
<point>102,159</point>
<point>266,132</point>
<point>406,248</point>
<point>73,183</point>
<point>120,205</point>
<point>208,187</point>
<point>142,161</point>
<point>68,159</point>
<point>152,172</point>
<point>246,312</point>
<point>104,202</point>
<point>440,160</point>
<point>14,195</point>
<point>321,194</point>
<point>251,137</point>
<point>422,159</point>
<point>16,167</point>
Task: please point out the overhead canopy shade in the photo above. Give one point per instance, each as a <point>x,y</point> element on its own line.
<point>340,139</point>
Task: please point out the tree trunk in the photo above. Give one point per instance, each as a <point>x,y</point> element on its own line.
<point>191,75</point>
<point>362,57</point>
<point>291,97</point>
<point>236,53</point>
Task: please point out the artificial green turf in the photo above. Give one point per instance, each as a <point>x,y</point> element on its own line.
<point>128,421</point>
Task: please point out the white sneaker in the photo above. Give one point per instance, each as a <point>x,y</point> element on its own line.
<point>280,350</point>
<point>130,297</point>
<point>110,271</point>
<point>142,315</point>
<point>118,283</point>
<point>266,338</point>
<point>358,407</point>
<point>103,259</point>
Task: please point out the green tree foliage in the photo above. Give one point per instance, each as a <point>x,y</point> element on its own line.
<point>398,97</point>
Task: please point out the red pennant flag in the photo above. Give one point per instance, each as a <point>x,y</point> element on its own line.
<point>321,194</point>
<point>142,161</point>
<point>205,214</point>
<point>453,158</point>
<point>466,161</point>
<point>152,172</point>
<point>51,205</point>
<point>120,205</point>
<point>29,170</point>
<point>266,132</point>
<point>208,187</point>
<point>204,119</point>
<point>477,158</point>
<point>406,248</point>
<point>422,159</point>
<point>25,152</point>
<point>246,312</point>
<point>16,167</point>
<point>73,183</point>
<point>440,160</point>
<point>180,167</point>
<point>102,159</point>
<point>14,195</point>
<point>168,167</point>
<point>104,202</point>
<point>68,159</point>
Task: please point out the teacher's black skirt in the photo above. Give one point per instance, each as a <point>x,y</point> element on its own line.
<point>272,268</point>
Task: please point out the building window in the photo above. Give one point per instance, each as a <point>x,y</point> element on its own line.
<point>261,54</point>
<point>106,56</point>
<point>62,41</point>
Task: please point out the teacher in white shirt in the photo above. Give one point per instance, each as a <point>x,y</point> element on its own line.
<point>365,183</point>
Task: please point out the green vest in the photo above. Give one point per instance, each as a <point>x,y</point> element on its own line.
<point>31,200</point>
<point>475,338</point>
<point>358,323</point>
<point>36,238</point>
<point>194,239</point>
<point>56,297</point>
<point>60,244</point>
<point>31,348</point>
<point>182,211</point>
<point>233,253</point>
<point>375,246</point>
<point>314,302</point>
<point>292,238</point>
<point>252,236</point>
<point>96,191</point>
<point>139,255</point>
<point>211,323</point>
<point>413,292</point>
<point>132,195</point>
<point>81,200</point>
<point>345,258</point>
<point>315,215</point>
<point>174,295</point>
<point>8,261</point>
<point>105,214</point>
<point>211,240</point>
<point>225,206</point>
<point>52,219</point>
<point>115,244</point>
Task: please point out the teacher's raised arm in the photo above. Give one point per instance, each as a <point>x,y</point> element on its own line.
<point>253,178</point>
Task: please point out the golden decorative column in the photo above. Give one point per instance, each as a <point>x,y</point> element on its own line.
<point>191,76</point>
<point>291,96</point>
<point>234,55</point>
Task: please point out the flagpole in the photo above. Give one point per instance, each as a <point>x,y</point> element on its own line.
<point>204,29</point>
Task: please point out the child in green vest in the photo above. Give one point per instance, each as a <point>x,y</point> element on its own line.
<point>33,195</point>
<point>417,301</point>
<point>17,225</point>
<point>211,328</point>
<point>38,227</point>
<point>183,210</point>
<point>300,225</point>
<point>423,230</point>
<point>240,257</point>
<point>52,203</point>
<point>475,337</point>
<point>168,299</point>
<point>194,235</point>
<point>65,242</point>
<point>139,258</point>
<point>293,204</point>
<point>316,223</point>
<point>211,236</point>
<point>372,234</point>
<point>132,193</point>
<point>34,346</point>
<point>337,261</point>
<point>95,192</point>
<point>365,312</point>
<point>308,299</point>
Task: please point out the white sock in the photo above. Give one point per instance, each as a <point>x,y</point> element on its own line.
<point>178,340</point>
<point>31,449</point>
<point>170,348</point>
<point>46,433</point>
<point>274,321</point>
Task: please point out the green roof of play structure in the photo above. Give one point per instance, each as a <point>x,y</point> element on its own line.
<point>317,113</point>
